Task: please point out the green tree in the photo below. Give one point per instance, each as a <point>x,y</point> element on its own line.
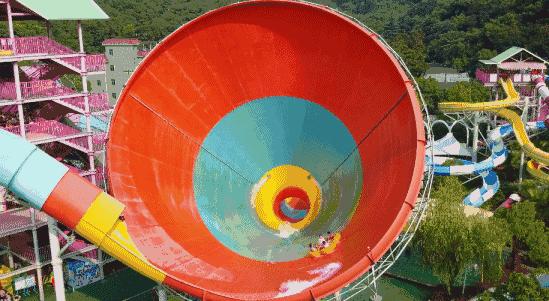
<point>490,237</point>
<point>528,231</point>
<point>504,31</point>
<point>537,192</point>
<point>523,288</point>
<point>485,54</point>
<point>444,238</point>
<point>450,242</point>
<point>432,93</point>
<point>24,29</point>
<point>472,91</point>
<point>72,81</point>
<point>128,30</point>
<point>412,50</point>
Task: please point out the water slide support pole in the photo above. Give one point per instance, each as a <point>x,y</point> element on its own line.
<point>101,263</point>
<point>19,97</point>
<point>495,117</point>
<point>522,156</point>
<point>338,296</point>
<point>87,111</point>
<point>56,261</point>
<point>3,199</point>
<point>16,72</point>
<point>475,136</point>
<point>11,263</point>
<point>37,256</point>
<point>49,29</point>
<point>9,14</point>
<point>521,169</point>
<point>162,295</point>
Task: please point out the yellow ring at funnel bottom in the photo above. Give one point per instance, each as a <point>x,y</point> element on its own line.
<point>275,181</point>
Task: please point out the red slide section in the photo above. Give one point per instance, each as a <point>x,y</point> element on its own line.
<point>227,58</point>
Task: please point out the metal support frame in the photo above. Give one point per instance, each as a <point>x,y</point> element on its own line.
<point>37,257</point>
<point>337,296</point>
<point>57,253</point>
<point>18,272</point>
<point>57,257</point>
<point>3,199</point>
<point>162,293</point>
<point>84,75</point>
<point>16,71</point>
<point>475,136</point>
<point>34,265</point>
<point>49,29</point>
<point>21,114</point>
<point>525,117</point>
<point>9,14</point>
<point>101,263</point>
<point>11,263</point>
<point>19,102</point>
<point>56,261</point>
<point>71,239</point>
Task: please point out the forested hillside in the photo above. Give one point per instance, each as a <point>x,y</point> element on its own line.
<point>451,32</point>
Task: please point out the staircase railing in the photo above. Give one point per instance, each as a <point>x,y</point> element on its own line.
<point>34,89</point>
<point>43,45</point>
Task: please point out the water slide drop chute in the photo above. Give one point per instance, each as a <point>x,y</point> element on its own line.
<point>239,139</point>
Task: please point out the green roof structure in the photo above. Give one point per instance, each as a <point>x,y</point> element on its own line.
<point>509,53</point>
<point>53,10</point>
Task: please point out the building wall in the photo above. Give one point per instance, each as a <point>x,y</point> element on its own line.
<point>446,77</point>
<point>121,62</point>
<point>96,83</point>
<point>124,60</point>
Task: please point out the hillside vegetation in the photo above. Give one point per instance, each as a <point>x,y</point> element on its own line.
<point>451,32</point>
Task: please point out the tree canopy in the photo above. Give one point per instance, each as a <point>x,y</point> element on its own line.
<point>521,288</point>
<point>453,32</point>
<point>472,91</point>
<point>529,230</point>
<point>450,242</point>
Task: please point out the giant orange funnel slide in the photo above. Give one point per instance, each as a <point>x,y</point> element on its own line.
<point>239,139</point>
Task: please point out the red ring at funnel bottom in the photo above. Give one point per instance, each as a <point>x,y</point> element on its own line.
<point>292,204</point>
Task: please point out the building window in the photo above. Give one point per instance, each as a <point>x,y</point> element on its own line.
<point>113,95</point>
<point>112,67</point>
<point>99,83</point>
<point>113,82</point>
<point>111,52</point>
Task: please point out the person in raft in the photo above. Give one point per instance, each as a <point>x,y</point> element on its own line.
<point>331,236</point>
<point>4,296</point>
<point>322,242</point>
<point>312,248</point>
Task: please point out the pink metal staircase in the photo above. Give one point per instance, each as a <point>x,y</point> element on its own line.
<point>40,82</point>
<point>42,71</point>
<point>43,46</point>
<point>55,91</point>
<point>35,72</point>
<point>34,89</point>
<point>98,102</point>
<point>44,131</point>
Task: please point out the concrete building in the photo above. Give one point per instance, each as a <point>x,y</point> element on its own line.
<point>445,76</point>
<point>123,56</point>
